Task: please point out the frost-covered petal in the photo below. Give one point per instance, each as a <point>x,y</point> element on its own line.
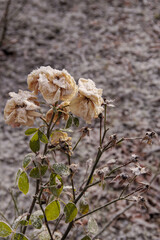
<point>20,109</point>
<point>33,77</point>
<point>88,89</point>
<point>48,90</point>
<point>87,103</point>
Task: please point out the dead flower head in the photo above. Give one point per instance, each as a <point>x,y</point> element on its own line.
<point>73,168</point>
<point>87,104</point>
<point>134,158</point>
<point>122,178</point>
<point>148,137</point>
<point>62,109</point>
<point>53,84</point>
<point>85,131</point>
<point>138,170</point>
<point>21,109</point>
<point>140,200</point>
<point>63,140</point>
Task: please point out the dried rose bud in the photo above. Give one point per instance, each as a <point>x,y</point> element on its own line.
<point>113,139</point>
<point>73,168</point>
<point>124,176</point>
<point>148,137</point>
<point>62,112</point>
<point>100,173</point>
<point>85,131</point>
<point>109,103</point>
<point>140,200</point>
<point>134,158</point>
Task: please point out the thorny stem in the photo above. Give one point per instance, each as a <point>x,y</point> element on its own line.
<point>113,219</point>
<point>48,133</point>
<point>117,168</point>
<point>32,205</point>
<point>99,208</point>
<point>99,154</point>
<point>5,24</point>
<point>77,143</point>
<point>45,219</point>
<point>57,223</point>
<point>156,174</point>
<point>125,188</point>
<point>73,191</point>
<point>99,181</point>
<point>105,122</point>
<point>38,181</point>
<point>109,203</point>
<point>14,201</point>
<point>100,131</point>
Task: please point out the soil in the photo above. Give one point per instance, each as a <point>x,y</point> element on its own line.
<point>115,43</point>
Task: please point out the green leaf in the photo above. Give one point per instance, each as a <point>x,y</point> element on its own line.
<point>21,220</point>
<point>42,234</point>
<point>52,210</point>
<point>30,131</point>
<point>5,229</point>
<point>76,121</point>
<point>92,226</point>
<point>27,159</point>
<point>86,238</point>
<point>83,206</point>
<point>70,211</point>
<point>69,122</point>
<point>20,236</point>
<point>65,130</point>
<point>38,172</point>
<point>36,219</point>
<point>23,183</point>
<point>61,169</point>
<point>34,143</point>
<point>42,137</point>
<point>56,183</point>
<point>18,174</point>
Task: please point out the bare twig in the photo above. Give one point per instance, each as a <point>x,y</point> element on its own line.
<point>71,177</point>
<point>5,22</point>
<point>45,218</point>
<point>113,219</point>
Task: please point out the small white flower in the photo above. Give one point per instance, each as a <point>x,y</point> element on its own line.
<point>138,170</point>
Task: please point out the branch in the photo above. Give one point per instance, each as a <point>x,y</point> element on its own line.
<point>113,219</point>
<point>45,219</point>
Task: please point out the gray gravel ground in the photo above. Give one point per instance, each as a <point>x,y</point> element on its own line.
<point>115,43</point>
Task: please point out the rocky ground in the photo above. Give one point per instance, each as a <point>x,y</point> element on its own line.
<point>115,43</point>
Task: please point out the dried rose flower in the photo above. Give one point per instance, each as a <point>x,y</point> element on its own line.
<point>87,104</point>
<point>53,84</point>
<point>63,108</point>
<point>33,77</point>
<point>61,139</point>
<point>21,109</point>
<point>58,136</point>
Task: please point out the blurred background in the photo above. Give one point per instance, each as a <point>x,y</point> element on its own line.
<point>116,43</point>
